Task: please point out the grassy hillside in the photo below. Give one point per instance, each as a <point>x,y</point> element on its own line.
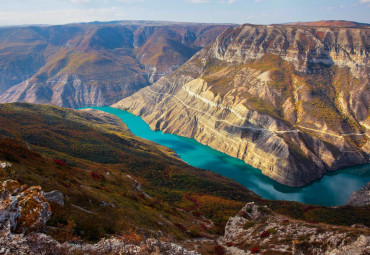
<point>88,155</point>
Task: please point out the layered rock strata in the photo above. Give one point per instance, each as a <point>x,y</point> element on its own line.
<point>291,101</point>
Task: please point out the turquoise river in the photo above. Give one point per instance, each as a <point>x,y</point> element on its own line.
<point>332,190</point>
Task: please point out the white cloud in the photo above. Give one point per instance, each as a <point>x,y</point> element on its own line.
<point>367,2</point>
<point>80,1</point>
<point>219,1</point>
<point>63,16</point>
<point>130,1</point>
<point>198,1</point>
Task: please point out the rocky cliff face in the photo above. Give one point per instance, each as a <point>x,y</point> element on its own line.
<point>93,64</point>
<point>291,101</point>
<point>360,197</point>
<point>257,230</point>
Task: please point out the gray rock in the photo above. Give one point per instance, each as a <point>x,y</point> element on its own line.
<point>54,197</point>
<point>360,197</point>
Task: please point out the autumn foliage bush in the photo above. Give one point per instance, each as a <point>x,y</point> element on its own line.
<point>60,162</point>
<point>265,234</point>
<point>255,249</point>
<point>95,175</point>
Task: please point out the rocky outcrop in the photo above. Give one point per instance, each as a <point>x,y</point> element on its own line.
<point>5,164</point>
<point>54,197</point>
<point>93,64</point>
<point>256,228</point>
<point>291,101</point>
<point>37,243</point>
<point>360,197</point>
<point>24,209</point>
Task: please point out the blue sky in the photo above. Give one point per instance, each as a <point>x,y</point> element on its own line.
<point>19,12</point>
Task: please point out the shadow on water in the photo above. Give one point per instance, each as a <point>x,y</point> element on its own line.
<point>333,189</point>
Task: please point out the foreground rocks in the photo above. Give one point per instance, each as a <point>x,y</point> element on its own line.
<point>360,197</point>
<point>24,209</point>
<point>37,243</point>
<point>54,197</point>
<point>256,228</point>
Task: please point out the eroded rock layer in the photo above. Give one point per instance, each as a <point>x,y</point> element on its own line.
<point>291,101</point>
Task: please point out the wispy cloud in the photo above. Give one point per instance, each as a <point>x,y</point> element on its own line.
<point>130,1</point>
<point>219,1</point>
<point>367,2</point>
<point>80,1</point>
<point>198,1</point>
<point>63,16</point>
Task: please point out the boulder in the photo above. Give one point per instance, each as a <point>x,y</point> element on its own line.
<point>25,209</point>
<point>54,196</point>
<point>360,197</point>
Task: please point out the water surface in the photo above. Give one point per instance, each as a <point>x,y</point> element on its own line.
<point>333,189</point>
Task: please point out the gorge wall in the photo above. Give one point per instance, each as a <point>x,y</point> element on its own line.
<point>290,100</point>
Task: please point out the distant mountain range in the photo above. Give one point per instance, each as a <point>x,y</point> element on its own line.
<point>94,63</point>
<point>331,23</point>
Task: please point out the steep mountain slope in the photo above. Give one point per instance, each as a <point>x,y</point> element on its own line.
<point>93,64</point>
<point>292,101</point>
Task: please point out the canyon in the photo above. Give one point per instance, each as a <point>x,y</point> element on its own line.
<point>291,100</point>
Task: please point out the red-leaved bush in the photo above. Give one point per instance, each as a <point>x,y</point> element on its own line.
<point>255,249</point>
<point>65,184</point>
<point>60,162</point>
<point>197,213</point>
<point>203,226</point>
<point>95,175</point>
<point>265,234</point>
